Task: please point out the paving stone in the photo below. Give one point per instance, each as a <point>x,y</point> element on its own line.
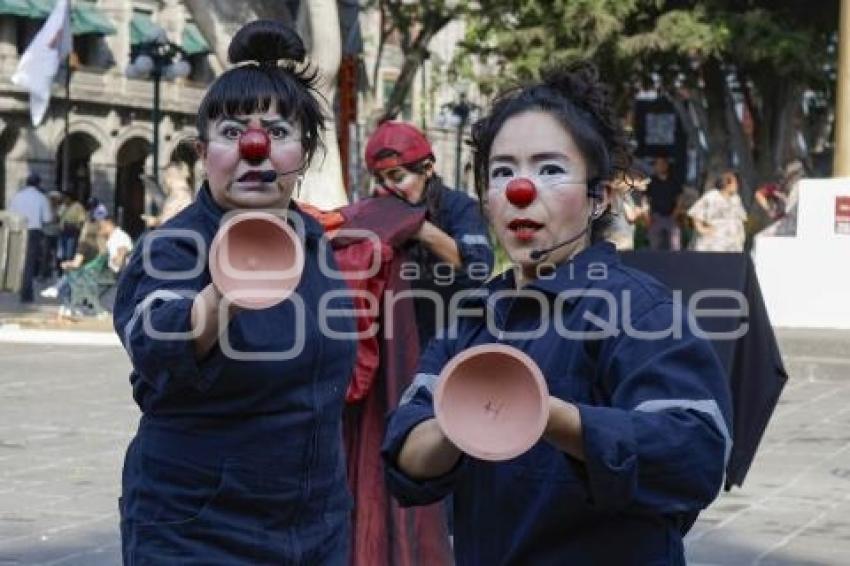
<point>68,415</point>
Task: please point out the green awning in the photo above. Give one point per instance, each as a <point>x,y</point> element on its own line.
<point>142,28</point>
<point>86,19</point>
<point>40,9</point>
<point>193,41</point>
<point>16,8</point>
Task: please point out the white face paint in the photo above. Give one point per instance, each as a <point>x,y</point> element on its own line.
<point>404,182</point>
<point>534,145</point>
<point>232,179</point>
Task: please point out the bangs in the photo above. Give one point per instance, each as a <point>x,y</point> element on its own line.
<point>246,90</point>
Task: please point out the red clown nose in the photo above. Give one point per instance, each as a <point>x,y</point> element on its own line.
<point>521,192</point>
<point>254,145</point>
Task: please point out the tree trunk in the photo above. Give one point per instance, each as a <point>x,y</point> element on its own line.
<point>683,104</point>
<point>698,109</point>
<point>741,147</point>
<point>322,185</point>
<point>382,41</point>
<point>413,59</point>
<point>774,126</point>
<point>789,120</point>
<point>715,97</point>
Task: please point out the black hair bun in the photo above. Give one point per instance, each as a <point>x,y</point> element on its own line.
<point>578,80</point>
<point>580,83</point>
<point>266,41</point>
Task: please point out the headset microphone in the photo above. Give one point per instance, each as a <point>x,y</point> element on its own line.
<point>538,254</point>
<point>269,176</point>
<point>535,255</point>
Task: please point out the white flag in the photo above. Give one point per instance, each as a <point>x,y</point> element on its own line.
<point>40,62</point>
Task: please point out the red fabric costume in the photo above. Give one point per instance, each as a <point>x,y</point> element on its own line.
<point>382,532</point>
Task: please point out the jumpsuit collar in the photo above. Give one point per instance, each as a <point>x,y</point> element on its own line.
<point>589,265</point>
<point>214,213</point>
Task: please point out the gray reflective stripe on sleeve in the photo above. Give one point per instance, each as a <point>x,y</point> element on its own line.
<point>161,294</point>
<point>707,406</point>
<point>474,240</point>
<point>426,380</point>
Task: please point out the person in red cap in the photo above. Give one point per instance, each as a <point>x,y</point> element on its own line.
<point>451,251</point>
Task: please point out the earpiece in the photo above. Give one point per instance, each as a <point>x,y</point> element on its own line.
<point>595,192</point>
<point>597,210</point>
<point>298,182</point>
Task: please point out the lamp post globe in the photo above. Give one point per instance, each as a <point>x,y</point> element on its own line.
<point>144,64</point>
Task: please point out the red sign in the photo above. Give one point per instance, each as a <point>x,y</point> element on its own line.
<point>842,215</point>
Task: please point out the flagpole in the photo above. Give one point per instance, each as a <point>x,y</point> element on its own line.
<point>66,153</point>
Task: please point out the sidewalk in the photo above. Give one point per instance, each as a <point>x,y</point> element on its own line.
<point>794,507</point>
<point>43,314</point>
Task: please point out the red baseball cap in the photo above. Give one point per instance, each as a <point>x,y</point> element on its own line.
<point>408,143</point>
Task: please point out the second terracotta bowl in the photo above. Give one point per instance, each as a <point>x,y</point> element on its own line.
<point>492,402</point>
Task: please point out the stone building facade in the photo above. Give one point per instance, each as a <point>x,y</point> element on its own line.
<point>109,128</point>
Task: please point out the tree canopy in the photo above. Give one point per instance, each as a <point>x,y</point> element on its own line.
<point>758,71</point>
<point>775,54</point>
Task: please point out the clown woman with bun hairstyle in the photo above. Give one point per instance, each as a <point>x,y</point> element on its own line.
<point>238,456</point>
<point>634,418</point>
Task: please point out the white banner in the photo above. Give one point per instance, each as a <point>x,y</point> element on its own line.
<point>40,62</point>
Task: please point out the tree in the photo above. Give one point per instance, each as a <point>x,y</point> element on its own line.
<point>779,50</point>
<point>709,53</point>
<point>412,25</point>
<point>771,52</point>
<point>514,38</point>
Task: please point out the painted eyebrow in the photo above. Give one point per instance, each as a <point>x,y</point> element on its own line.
<point>546,156</point>
<point>263,121</point>
<point>275,122</point>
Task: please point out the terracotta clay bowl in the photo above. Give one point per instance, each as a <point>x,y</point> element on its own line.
<point>492,402</point>
<point>256,260</point>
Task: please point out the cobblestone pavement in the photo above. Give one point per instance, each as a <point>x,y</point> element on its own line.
<point>65,421</point>
<point>67,416</point>
<point>794,507</point>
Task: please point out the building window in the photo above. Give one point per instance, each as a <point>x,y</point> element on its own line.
<point>26,32</point>
<point>197,50</point>
<point>202,72</point>
<point>91,51</point>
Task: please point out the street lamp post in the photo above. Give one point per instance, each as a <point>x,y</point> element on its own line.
<point>158,59</point>
<point>461,111</point>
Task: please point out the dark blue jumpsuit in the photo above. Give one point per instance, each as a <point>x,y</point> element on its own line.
<point>654,409</point>
<point>460,217</point>
<point>235,461</point>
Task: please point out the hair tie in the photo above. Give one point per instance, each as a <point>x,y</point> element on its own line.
<point>271,64</point>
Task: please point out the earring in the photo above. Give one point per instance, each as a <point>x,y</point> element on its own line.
<point>598,210</point>
<point>298,182</point>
